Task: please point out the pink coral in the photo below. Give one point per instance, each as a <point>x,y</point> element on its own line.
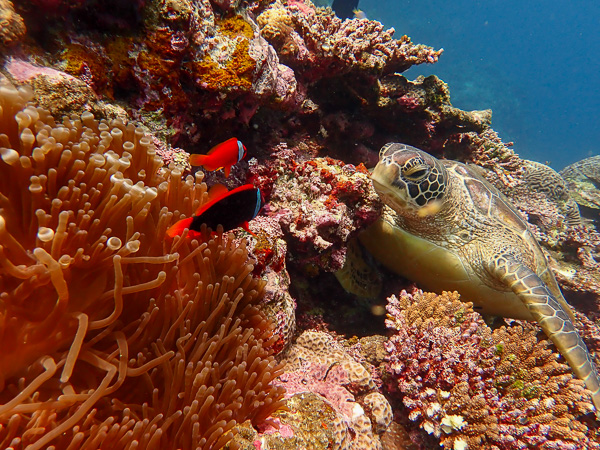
<point>326,380</point>
<point>318,364</point>
<point>320,205</point>
<point>23,71</point>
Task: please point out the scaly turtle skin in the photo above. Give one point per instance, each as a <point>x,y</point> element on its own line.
<point>447,228</point>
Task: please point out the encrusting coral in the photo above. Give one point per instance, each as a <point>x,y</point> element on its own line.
<point>318,364</point>
<point>321,204</point>
<point>477,388</point>
<point>110,334</point>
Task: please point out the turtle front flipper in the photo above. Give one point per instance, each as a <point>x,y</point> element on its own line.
<point>551,316</point>
<point>357,276</point>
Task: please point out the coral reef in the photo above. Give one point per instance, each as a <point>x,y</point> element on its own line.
<point>12,27</point>
<point>316,363</point>
<point>94,296</point>
<point>330,402</point>
<point>60,93</point>
<point>544,197</point>
<point>320,348</point>
<point>380,411</point>
<point>268,249</point>
<point>136,339</point>
<point>433,119</point>
<point>321,204</point>
<point>316,43</point>
<point>474,387</point>
<point>576,263</point>
<point>201,67</point>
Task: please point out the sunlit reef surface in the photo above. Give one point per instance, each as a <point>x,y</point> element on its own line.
<point>111,332</point>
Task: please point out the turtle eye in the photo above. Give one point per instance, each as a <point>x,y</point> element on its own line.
<point>415,173</point>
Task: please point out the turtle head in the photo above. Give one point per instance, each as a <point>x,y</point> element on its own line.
<point>409,180</point>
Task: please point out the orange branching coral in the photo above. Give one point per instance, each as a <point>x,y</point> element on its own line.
<point>110,335</point>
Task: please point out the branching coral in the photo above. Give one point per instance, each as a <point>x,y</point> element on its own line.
<point>108,332</point>
<point>487,150</point>
<point>315,41</point>
<point>477,388</point>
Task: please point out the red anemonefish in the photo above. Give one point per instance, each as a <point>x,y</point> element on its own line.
<point>228,208</point>
<point>221,156</point>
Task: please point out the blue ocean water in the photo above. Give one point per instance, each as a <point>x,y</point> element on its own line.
<point>535,63</point>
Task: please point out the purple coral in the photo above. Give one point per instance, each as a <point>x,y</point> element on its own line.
<point>473,387</point>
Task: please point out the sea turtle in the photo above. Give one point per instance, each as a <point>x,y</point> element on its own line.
<point>583,180</point>
<point>447,228</point>
<point>588,168</point>
<point>541,178</point>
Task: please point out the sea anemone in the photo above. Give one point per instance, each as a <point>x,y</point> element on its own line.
<point>111,334</point>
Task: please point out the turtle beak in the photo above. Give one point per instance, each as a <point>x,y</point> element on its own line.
<point>383,175</point>
<point>392,189</point>
<point>383,178</point>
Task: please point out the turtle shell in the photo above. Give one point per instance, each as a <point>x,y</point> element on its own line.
<point>492,203</point>
<point>487,198</point>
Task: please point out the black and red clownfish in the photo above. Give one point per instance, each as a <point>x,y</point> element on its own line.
<point>221,156</point>
<point>231,209</point>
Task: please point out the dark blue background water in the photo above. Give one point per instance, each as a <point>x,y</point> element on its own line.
<point>535,63</point>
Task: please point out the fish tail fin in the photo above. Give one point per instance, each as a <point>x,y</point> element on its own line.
<point>197,160</point>
<point>246,227</point>
<point>178,227</point>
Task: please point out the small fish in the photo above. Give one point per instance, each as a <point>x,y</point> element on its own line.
<point>230,209</point>
<point>221,156</point>
<point>359,14</point>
